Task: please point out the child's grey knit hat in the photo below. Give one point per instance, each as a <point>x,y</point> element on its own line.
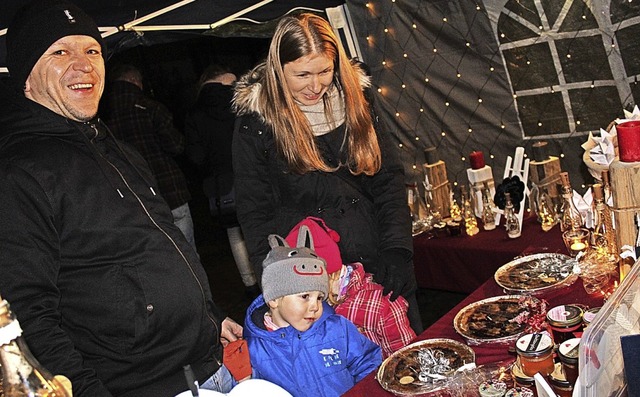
<point>289,271</point>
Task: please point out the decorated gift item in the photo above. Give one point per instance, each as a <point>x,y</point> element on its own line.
<point>435,172</point>
<point>511,222</point>
<point>544,173</point>
<point>568,353</point>
<point>564,321</point>
<point>509,196</point>
<point>629,141</point>
<point>470,221</point>
<point>488,211</point>
<point>456,212</point>
<point>624,179</point>
<point>570,216</point>
<point>535,352</point>
<point>603,237</point>
<point>600,152</point>
<point>417,207</point>
<point>516,169</point>
<point>479,175</point>
<point>559,383</point>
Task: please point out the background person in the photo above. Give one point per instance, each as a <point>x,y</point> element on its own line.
<point>307,144</point>
<point>108,291</point>
<point>209,133</point>
<point>147,124</point>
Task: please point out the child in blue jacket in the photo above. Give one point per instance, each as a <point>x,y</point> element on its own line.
<point>295,339</point>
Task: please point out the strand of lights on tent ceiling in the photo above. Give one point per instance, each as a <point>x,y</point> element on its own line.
<point>395,65</point>
<point>391,66</point>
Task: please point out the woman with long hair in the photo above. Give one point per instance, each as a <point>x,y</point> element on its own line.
<point>307,143</point>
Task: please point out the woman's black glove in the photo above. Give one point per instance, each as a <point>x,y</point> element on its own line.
<point>395,273</point>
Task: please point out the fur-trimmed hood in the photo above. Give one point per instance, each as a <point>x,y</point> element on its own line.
<point>247,98</point>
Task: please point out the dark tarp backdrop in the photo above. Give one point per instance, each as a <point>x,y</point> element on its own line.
<point>459,75</point>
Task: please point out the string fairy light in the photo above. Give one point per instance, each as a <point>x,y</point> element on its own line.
<point>429,110</point>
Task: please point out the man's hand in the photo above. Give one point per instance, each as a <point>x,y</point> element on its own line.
<point>231,331</point>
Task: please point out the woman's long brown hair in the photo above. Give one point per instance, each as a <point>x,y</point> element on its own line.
<point>296,37</point>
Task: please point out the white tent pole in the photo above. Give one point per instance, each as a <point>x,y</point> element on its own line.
<point>237,14</point>
<point>129,25</point>
<point>133,24</point>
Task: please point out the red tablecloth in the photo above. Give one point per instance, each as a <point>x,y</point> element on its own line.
<point>463,263</point>
<point>487,353</point>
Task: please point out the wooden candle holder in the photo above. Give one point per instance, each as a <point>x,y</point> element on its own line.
<point>625,190</point>
<point>441,193</point>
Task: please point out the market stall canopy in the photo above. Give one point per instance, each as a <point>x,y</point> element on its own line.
<point>129,23</point>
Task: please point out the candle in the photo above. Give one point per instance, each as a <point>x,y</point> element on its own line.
<point>578,246</point>
<point>629,141</point>
<point>477,160</point>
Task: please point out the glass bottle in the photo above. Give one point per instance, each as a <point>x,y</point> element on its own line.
<point>454,208</point>
<point>433,214</point>
<point>606,186</point>
<point>546,214</point>
<point>415,202</point>
<point>22,374</point>
<point>603,237</point>
<point>488,212</point>
<point>470,221</point>
<point>512,224</point>
<point>570,217</point>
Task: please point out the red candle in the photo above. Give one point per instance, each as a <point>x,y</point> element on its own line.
<point>629,141</point>
<point>477,160</point>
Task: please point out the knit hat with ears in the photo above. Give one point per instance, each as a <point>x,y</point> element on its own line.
<point>289,271</point>
<point>38,25</point>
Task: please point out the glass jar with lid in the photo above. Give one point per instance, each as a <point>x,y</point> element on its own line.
<point>568,354</point>
<point>564,321</point>
<point>559,383</point>
<point>535,352</point>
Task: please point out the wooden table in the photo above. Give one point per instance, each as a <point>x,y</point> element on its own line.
<point>462,263</point>
<point>487,353</point>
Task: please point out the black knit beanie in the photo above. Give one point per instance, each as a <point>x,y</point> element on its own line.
<point>38,25</point>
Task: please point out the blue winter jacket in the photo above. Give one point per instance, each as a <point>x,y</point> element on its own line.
<point>326,360</point>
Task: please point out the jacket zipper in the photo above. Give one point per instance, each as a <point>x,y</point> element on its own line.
<point>146,211</point>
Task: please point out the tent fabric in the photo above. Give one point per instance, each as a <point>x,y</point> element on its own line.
<point>461,76</point>
<point>110,14</point>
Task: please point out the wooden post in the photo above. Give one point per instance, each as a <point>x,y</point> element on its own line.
<point>546,169</point>
<point>625,190</point>
<point>437,174</point>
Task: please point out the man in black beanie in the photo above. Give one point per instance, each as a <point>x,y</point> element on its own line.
<point>106,288</point>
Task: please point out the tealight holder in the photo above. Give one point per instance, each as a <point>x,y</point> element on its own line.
<point>576,240</point>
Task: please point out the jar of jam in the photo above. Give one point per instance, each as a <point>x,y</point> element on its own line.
<point>522,380</point>
<point>568,355</point>
<point>536,354</point>
<point>564,320</point>
<point>589,315</point>
<point>559,383</point>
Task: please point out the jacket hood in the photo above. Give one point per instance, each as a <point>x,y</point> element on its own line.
<point>247,98</point>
